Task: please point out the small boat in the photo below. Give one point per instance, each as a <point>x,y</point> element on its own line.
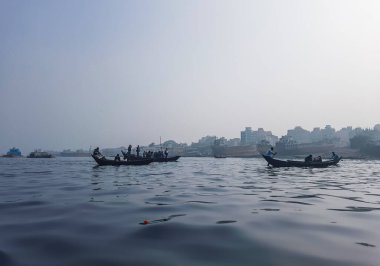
<point>13,153</point>
<point>220,156</point>
<point>290,163</point>
<point>101,160</point>
<point>39,154</point>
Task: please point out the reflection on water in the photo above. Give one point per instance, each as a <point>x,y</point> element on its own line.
<point>198,211</point>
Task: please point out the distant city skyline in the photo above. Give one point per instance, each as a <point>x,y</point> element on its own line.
<point>4,149</point>
<point>75,74</point>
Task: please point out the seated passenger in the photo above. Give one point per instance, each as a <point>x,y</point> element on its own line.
<point>270,153</point>
<point>309,158</point>
<point>96,151</point>
<point>117,158</point>
<point>334,156</point>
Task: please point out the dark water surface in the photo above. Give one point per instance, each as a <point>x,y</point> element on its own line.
<point>200,211</point>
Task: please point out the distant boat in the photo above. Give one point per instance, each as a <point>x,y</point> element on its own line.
<point>290,163</point>
<point>77,153</point>
<point>40,154</point>
<point>13,153</point>
<point>101,160</point>
<point>220,156</point>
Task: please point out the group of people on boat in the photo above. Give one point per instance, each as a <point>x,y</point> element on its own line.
<point>309,158</point>
<point>156,154</point>
<point>146,154</point>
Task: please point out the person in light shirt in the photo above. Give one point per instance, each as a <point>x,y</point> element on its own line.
<point>271,153</point>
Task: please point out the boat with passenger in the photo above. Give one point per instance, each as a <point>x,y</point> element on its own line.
<point>306,163</point>
<point>101,160</point>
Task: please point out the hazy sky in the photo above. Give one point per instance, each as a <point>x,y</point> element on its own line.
<point>75,74</point>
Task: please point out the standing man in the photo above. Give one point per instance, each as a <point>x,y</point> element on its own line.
<point>138,150</point>
<point>96,151</point>
<point>129,149</point>
<point>166,153</point>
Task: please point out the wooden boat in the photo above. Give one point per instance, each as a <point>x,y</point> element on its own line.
<point>103,161</point>
<point>290,163</point>
<point>220,156</point>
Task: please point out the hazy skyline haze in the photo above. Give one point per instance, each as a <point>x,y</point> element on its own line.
<point>75,74</point>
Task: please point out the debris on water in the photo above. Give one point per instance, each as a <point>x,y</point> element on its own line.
<point>146,221</point>
<point>226,222</point>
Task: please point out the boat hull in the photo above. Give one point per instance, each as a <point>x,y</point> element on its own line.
<point>104,161</point>
<point>281,163</point>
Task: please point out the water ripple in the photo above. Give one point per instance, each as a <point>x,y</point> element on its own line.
<point>198,211</point>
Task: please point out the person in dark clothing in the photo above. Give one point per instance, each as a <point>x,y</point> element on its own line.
<point>309,158</point>
<point>138,150</point>
<point>129,149</point>
<point>96,151</point>
<point>166,153</point>
<point>334,156</point>
<point>117,157</point>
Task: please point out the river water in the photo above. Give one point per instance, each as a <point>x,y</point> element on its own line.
<point>197,211</point>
